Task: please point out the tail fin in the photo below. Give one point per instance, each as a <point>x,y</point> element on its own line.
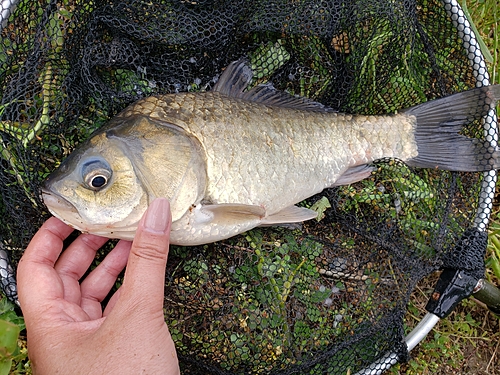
<point>438,124</point>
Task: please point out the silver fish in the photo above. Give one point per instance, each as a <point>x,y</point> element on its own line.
<point>233,159</point>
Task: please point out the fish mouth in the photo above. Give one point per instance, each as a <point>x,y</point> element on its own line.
<point>68,214</point>
<point>58,206</point>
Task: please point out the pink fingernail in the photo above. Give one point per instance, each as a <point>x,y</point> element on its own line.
<point>157,215</point>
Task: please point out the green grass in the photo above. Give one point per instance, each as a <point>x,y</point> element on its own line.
<point>463,343</point>
<point>486,16</point>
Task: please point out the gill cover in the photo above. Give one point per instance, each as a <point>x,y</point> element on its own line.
<point>168,162</point>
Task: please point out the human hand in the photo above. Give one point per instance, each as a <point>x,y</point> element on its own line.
<point>68,332</point>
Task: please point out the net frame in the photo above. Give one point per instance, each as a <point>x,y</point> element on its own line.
<point>488,184</point>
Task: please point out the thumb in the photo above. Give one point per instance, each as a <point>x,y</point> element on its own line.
<point>144,280</point>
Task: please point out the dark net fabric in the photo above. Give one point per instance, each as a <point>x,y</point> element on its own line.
<point>328,297</point>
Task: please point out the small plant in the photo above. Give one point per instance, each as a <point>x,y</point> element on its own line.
<point>10,352</point>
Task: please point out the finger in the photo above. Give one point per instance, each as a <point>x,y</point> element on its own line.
<point>74,262</point>
<point>145,273</point>
<point>99,282</point>
<point>37,280</point>
<point>47,243</point>
<point>77,258</point>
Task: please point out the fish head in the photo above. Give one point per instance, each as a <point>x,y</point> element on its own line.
<point>105,186</point>
<point>97,190</point>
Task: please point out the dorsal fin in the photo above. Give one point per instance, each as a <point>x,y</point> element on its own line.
<point>234,79</point>
<point>237,76</point>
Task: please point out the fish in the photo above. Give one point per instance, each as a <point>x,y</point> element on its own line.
<point>236,157</point>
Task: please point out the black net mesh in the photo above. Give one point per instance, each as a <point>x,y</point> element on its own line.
<point>328,297</point>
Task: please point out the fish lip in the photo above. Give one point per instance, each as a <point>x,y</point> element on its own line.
<point>55,203</point>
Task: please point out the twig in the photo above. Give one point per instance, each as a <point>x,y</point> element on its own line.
<point>492,356</point>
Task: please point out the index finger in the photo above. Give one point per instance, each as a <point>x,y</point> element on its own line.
<point>39,259</point>
<point>47,243</point>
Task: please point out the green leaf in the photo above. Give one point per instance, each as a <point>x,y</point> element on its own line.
<point>320,295</point>
<point>320,207</point>
<point>268,58</point>
<point>9,333</point>
<point>5,365</point>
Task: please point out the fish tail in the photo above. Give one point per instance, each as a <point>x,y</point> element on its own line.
<point>438,124</point>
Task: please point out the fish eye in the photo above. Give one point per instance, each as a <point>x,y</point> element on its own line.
<point>96,173</point>
<point>98,181</point>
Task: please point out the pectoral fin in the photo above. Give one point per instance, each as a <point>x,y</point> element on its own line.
<point>229,214</point>
<point>292,214</point>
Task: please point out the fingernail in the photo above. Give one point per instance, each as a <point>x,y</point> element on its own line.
<point>157,216</point>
